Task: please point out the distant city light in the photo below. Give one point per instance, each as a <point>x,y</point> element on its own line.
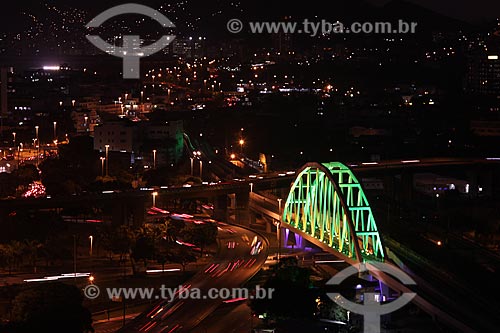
<point>36,190</point>
<point>51,68</point>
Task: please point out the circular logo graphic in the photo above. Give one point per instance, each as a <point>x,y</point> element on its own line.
<point>91,291</point>
<point>234,26</point>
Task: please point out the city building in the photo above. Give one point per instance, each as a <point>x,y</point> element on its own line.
<point>435,185</point>
<point>483,73</point>
<point>85,121</point>
<point>146,141</point>
<point>120,136</point>
<point>167,139</point>
<point>190,47</point>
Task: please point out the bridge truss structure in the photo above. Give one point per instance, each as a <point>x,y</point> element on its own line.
<point>327,202</point>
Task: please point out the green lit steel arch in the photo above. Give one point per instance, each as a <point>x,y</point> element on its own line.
<point>327,202</point>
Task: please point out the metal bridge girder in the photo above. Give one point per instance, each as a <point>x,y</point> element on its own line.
<point>327,202</point>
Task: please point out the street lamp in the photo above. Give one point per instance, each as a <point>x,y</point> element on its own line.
<point>192,160</point>
<point>14,135</point>
<point>154,159</point>
<point>242,142</point>
<point>154,198</point>
<point>91,238</point>
<point>201,170</point>
<point>55,130</point>
<point>107,160</point>
<point>37,147</point>
<point>102,165</point>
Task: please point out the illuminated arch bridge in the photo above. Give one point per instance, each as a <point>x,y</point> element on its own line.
<point>326,202</point>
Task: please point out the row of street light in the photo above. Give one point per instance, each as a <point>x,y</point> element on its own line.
<point>105,161</point>
<point>36,140</point>
<point>197,155</point>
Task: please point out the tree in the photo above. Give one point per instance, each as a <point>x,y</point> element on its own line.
<point>52,249</point>
<point>149,239</point>
<point>32,248</point>
<point>51,307</point>
<point>7,185</point>
<point>290,283</point>
<point>27,174</point>
<point>6,257</point>
<point>180,255</point>
<point>74,170</point>
<point>331,310</point>
<point>143,249</point>
<point>117,240</point>
<point>200,234</point>
<point>174,228</point>
<point>11,254</point>
<point>162,258</point>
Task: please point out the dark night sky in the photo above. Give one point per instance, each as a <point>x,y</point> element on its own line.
<point>466,10</point>
<point>471,11</point>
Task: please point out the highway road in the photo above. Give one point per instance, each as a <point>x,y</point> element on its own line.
<point>280,179</point>
<point>233,266</point>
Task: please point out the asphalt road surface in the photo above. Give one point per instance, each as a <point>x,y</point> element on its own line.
<point>236,262</point>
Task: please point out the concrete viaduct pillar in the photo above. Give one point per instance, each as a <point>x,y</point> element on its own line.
<point>220,208</point>
<point>242,209</point>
